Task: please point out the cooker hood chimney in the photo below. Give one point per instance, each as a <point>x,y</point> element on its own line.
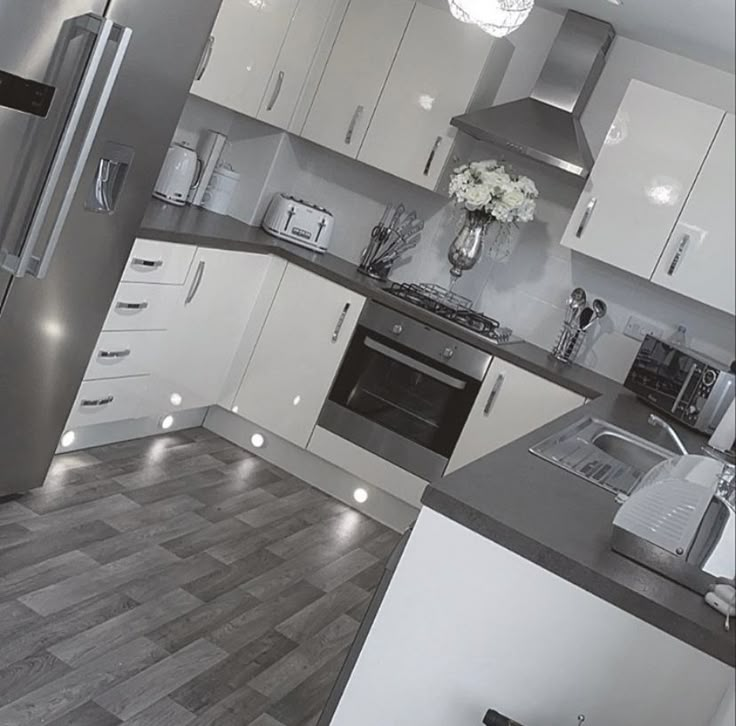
<point>546,126</point>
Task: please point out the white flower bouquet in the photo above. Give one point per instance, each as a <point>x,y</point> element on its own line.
<point>488,192</point>
<point>494,192</point>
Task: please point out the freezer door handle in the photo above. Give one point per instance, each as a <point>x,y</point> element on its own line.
<point>31,260</point>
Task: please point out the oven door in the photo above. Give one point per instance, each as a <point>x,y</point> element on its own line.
<point>399,403</point>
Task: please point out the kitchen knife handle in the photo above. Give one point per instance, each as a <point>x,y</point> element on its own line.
<point>276,91</point>
<point>198,275</point>
<point>432,154</point>
<point>143,262</point>
<point>97,402</point>
<point>586,217</point>
<point>131,306</point>
<point>497,386</point>
<point>340,323</point>
<point>353,123</point>
<point>679,254</point>
<point>114,353</point>
<point>204,61</point>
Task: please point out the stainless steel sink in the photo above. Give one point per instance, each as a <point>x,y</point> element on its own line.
<point>602,454</point>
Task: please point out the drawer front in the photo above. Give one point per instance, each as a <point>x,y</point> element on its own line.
<point>142,307</point>
<point>160,262</point>
<point>119,355</point>
<point>109,400</point>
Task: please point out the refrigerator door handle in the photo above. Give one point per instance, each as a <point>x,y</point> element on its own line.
<point>30,261</point>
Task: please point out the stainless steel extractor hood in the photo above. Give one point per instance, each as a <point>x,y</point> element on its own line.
<point>546,126</point>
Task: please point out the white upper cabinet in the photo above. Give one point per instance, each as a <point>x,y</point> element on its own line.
<point>207,326</point>
<point>356,72</point>
<point>296,59</point>
<point>642,178</point>
<point>700,259</point>
<point>298,353</point>
<point>433,79</point>
<point>511,404</point>
<point>247,39</point>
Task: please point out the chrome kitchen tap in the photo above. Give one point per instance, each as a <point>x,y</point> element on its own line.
<point>657,421</point>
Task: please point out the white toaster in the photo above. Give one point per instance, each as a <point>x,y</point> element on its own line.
<point>299,222</point>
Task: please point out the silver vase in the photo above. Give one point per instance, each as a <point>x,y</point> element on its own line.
<point>467,247</point>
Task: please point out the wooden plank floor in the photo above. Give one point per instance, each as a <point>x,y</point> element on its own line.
<point>177,581</point>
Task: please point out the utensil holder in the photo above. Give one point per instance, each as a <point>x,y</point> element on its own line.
<point>569,342</point>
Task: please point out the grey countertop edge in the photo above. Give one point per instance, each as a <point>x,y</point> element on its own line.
<point>588,579</point>
<point>193,226</point>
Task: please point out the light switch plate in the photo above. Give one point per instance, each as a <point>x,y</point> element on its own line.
<point>639,328</point>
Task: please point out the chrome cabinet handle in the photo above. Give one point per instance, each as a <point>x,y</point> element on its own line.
<point>131,306</point>
<point>114,353</point>
<point>494,394</point>
<point>276,91</point>
<point>679,254</point>
<point>97,402</point>
<point>340,323</point>
<point>586,217</point>
<point>351,129</point>
<point>142,262</point>
<point>432,154</point>
<point>198,275</point>
<point>204,61</point>
<point>29,260</point>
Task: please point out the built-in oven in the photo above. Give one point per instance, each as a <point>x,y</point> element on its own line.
<point>404,391</point>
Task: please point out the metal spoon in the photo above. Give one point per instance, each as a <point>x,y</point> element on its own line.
<point>577,300</point>
<point>599,311</point>
<point>587,318</point>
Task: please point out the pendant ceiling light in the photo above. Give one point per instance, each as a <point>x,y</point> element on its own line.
<point>497,17</point>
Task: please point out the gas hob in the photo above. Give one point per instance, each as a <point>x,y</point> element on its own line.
<point>450,306</point>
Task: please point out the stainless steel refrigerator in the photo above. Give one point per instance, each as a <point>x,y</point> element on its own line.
<point>90,94</point>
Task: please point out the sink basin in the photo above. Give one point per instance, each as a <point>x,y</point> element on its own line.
<point>602,454</point>
<point>637,453</point>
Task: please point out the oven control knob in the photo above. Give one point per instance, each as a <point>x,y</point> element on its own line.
<point>448,353</point>
<point>709,378</point>
<point>398,329</point>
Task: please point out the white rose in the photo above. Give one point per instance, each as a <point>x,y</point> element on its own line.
<point>528,187</point>
<point>501,212</point>
<point>513,197</point>
<point>477,196</point>
<point>526,211</point>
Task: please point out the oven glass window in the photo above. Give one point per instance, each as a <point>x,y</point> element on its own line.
<point>400,390</point>
<point>661,370</point>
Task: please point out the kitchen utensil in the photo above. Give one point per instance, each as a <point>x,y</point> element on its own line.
<point>395,235</point>
<point>578,299</point>
<point>586,318</point>
<point>179,174</point>
<point>600,309</point>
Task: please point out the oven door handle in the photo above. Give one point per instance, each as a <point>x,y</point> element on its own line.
<point>418,366</point>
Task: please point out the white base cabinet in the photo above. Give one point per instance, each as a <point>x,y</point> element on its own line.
<point>511,404</point>
<point>207,326</point>
<point>298,354</point>
<point>467,625</point>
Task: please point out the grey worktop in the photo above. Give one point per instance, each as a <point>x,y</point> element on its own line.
<point>533,508</point>
<point>190,225</point>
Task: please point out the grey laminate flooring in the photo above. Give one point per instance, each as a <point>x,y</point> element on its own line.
<point>175,581</point>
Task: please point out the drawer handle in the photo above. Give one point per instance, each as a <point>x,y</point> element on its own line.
<point>586,217</point>
<point>115,353</point>
<point>97,402</point>
<point>351,129</point>
<point>131,306</point>
<point>276,91</point>
<point>198,275</point>
<point>143,262</point>
<point>432,154</point>
<point>679,254</point>
<point>340,323</point>
<point>497,386</point>
<point>204,61</point>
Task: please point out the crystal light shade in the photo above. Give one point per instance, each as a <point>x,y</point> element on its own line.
<point>497,17</point>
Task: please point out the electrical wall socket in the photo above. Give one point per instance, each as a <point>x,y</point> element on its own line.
<point>638,329</point>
